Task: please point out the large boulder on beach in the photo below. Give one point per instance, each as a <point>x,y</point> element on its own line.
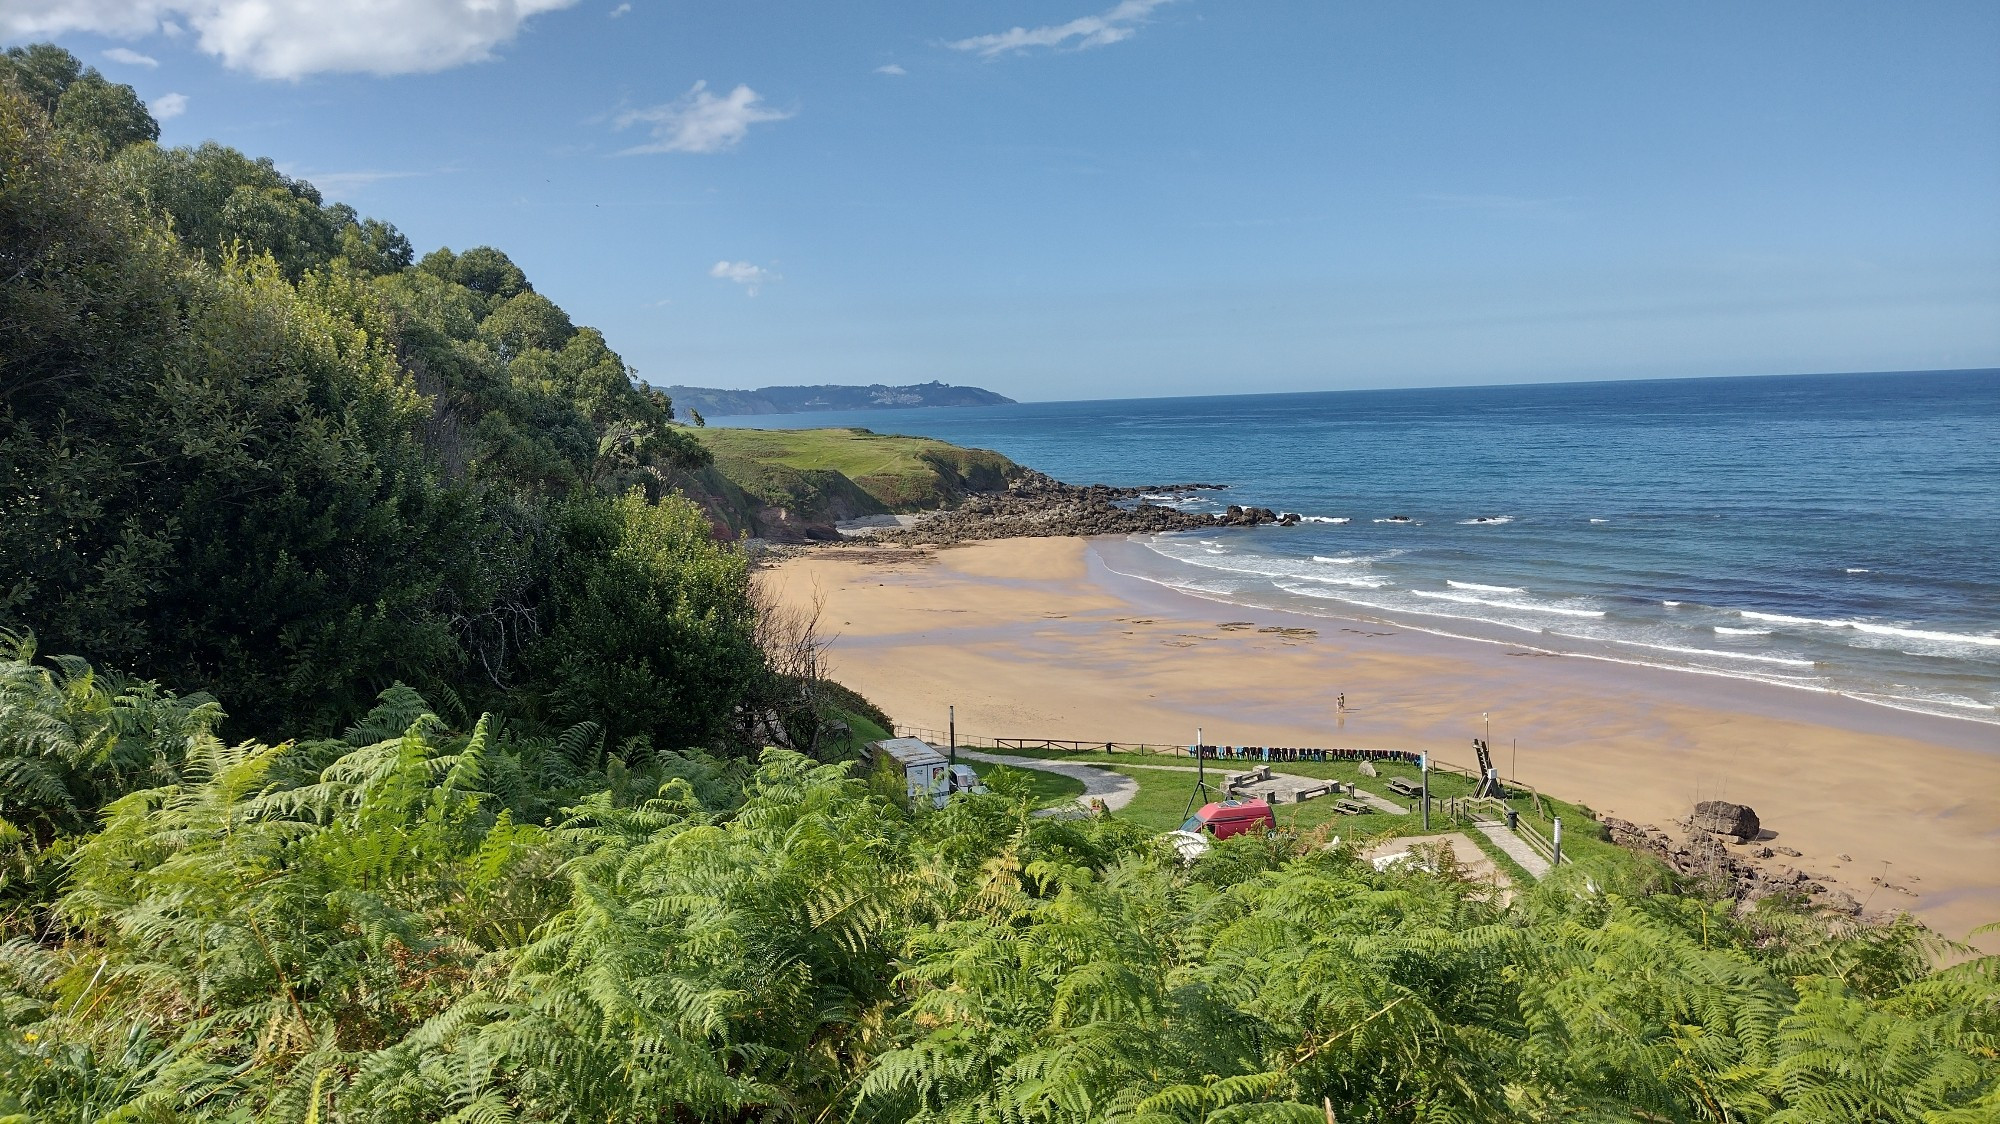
<point>1720,817</point>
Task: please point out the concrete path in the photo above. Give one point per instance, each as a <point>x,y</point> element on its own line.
<point>1516,847</point>
<point>1093,773</point>
<point>1380,804</point>
<point>1098,783</point>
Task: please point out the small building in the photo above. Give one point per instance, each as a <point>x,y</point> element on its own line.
<point>926,774</point>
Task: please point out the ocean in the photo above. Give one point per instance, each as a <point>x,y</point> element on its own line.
<point>1828,533</point>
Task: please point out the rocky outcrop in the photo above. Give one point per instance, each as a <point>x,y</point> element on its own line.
<point>1720,817</point>
<point>1745,875</point>
<point>1037,505</point>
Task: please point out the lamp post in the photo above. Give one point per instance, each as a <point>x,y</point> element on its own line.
<point>951,722</point>
<point>1424,766</point>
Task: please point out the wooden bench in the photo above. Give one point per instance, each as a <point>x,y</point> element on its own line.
<point>1351,807</point>
<point>1401,787</point>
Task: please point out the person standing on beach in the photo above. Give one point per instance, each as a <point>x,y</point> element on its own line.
<point>1340,702</point>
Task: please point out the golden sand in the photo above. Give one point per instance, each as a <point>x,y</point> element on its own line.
<point>1030,638</point>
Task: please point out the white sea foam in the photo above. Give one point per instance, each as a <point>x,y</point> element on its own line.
<point>1858,570</point>
<point>1486,520</point>
<point>1671,604</point>
<point>1983,640</point>
<point>1357,559</point>
<point>1600,520</point>
<point>1484,588</point>
<point>1724,631</point>
<point>1358,583</point>
<point>1781,618</point>
<point>1464,600</point>
<point>1325,519</point>
<point>1787,661</point>
<point>1403,522</point>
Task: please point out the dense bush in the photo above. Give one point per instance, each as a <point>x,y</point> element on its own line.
<point>247,447</point>
<point>414,923</point>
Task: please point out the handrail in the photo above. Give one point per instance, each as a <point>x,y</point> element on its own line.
<point>1328,755</point>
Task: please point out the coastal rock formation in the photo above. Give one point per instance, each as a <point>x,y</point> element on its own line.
<point>1720,817</point>
<point>1703,855</point>
<point>1036,505</point>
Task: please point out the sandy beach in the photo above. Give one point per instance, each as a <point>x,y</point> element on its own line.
<point>1041,638</point>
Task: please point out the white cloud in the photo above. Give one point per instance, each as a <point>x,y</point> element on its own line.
<point>891,69</point>
<point>1120,23</point>
<point>698,121</point>
<point>619,11</point>
<point>294,38</point>
<point>167,106</point>
<point>130,57</point>
<point>751,277</point>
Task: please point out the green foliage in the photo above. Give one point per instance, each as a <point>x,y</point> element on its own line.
<point>854,470</point>
<point>400,927</point>
<point>294,469</point>
<point>102,116</point>
<point>656,622</point>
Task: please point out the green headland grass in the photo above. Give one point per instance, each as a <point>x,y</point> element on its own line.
<point>802,468</point>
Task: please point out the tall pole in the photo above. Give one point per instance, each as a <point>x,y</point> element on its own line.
<point>1557,843</point>
<point>1200,762</point>
<point>1424,764</point>
<point>951,721</point>
<point>1514,765</point>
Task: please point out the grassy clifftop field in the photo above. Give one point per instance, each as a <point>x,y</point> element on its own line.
<point>795,483</point>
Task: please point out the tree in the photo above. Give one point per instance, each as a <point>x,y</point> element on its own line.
<point>655,624</point>
<point>109,115</point>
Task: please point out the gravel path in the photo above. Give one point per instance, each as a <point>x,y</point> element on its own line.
<point>1098,783</point>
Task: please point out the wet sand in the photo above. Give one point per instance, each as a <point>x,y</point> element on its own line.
<point>1040,638</point>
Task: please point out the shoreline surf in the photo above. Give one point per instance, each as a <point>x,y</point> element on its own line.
<point>1047,638</point>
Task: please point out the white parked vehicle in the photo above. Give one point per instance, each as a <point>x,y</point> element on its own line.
<point>964,779</point>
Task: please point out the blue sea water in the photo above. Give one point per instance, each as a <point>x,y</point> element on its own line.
<point>1827,532</point>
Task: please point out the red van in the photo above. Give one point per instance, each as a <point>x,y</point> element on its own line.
<point>1232,817</point>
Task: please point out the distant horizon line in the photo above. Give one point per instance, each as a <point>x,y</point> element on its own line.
<point>1342,390</point>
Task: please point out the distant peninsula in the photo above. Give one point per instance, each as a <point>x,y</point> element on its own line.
<point>812,399</point>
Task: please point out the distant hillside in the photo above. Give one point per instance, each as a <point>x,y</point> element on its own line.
<point>809,399</point>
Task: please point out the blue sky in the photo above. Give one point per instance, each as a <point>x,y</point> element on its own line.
<point>1071,199</point>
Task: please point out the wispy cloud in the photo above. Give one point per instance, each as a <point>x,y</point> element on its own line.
<point>619,11</point>
<point>751,277</point>
<point>1121,22</point>
<point>346,183</point>
<point>168,106</point>
<point>698,121</point>
<point>130,57</point>
<point>892,69</point>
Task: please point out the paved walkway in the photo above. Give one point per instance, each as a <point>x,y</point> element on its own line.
<point>1516,847</point>
<point>1117,795</point>
<point>1380,804</point>
<point>1098,782</point>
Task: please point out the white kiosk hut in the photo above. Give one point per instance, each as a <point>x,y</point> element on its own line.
<point>926,773</point>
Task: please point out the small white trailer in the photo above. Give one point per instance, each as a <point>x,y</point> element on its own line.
<point>926,773</point>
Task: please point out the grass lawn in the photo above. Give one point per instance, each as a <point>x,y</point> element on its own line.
<point>1163,798</point>
<point>1046,788</point>
<point>900,473</point>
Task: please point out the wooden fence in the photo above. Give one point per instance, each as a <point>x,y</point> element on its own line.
<point>1223,754</point>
